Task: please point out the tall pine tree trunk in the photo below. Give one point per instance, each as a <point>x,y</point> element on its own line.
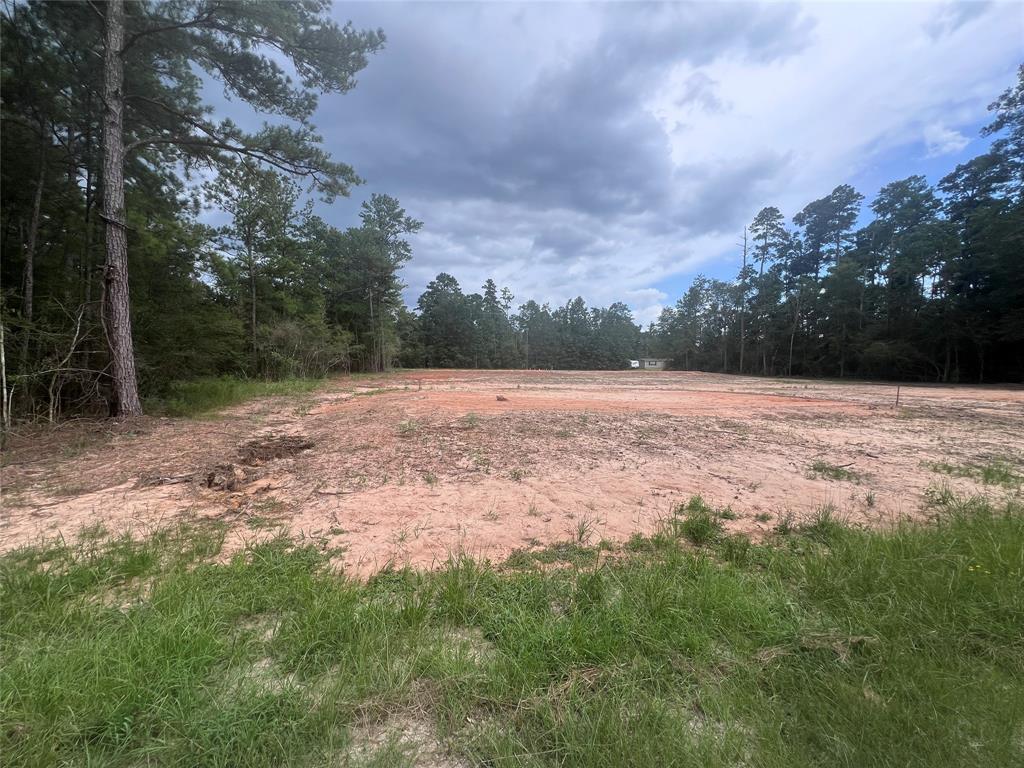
<point>252,318</point>
<point>119,319</point>
<point>743,302</point>
<point>33,238</point>
<point>27,308</point>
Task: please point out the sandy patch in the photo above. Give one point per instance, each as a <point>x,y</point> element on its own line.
<point>412,467</point>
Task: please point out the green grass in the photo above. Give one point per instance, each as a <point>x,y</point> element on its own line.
<point>993,472</point>
<point>695,521</point>
<point>201,396</point>
<point>830,646</point>
<point>832,471</point>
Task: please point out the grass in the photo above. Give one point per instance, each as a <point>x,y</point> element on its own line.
<point>832,471</point>
<point>201,396</point>
<point>408,427</point>
<point>994,472</point>
<point>830,646</point>
<point>695,521</point>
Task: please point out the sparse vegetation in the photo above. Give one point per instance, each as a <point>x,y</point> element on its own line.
<point>584,528</point>
<point>993,472</point>
<point>369,392</point>
<point>902,646</point>
<point>695,521</point>
<point>833,471</point>
<point>785,525</point>
<point>408,427</point>
<point>824,526</point>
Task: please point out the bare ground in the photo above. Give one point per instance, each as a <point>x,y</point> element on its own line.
<point>411,467</point>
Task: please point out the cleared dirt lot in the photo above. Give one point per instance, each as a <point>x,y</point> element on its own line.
<point>410,467</point>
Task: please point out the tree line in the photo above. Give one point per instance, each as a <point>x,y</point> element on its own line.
<point>452,329</point>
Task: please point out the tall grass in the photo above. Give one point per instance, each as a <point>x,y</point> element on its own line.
<point>200,396</point>
<point>830,647</point>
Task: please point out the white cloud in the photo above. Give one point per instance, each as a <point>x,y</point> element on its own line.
<point>870,81</point>
<point>940,140</point>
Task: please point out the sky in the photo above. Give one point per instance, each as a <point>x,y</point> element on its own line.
<point>615,151</point>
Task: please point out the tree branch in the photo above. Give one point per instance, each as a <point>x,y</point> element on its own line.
<point>194,22</point>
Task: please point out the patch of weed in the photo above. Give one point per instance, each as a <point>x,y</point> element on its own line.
<point>832,471</point>
<point>408,427</point>
<point>993,472</point>
<point>696,522</point>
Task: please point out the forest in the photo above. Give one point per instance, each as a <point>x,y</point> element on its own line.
<point>114,284</point>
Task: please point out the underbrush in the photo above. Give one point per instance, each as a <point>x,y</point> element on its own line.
<point>199,396</point>
<point>824,646</point>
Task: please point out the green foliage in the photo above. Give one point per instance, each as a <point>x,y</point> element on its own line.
<point>896,648</point>
<point>994,472</point>
<point>199,396</point>
<point>697,522</point>
<point>821,468</point>
<point>480,331</point>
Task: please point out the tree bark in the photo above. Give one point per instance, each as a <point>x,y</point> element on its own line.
<point>119,330</point>
<point>251,257</point>
<point>33,237</point>
<point>743,301</point>
<point>27,308</point>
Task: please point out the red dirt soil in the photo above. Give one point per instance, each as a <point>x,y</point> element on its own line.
<point>408,468</point>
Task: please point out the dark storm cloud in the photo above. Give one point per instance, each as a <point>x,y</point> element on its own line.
<point>442,114</point>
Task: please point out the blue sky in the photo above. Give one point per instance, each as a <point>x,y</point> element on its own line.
<point>614,151</point>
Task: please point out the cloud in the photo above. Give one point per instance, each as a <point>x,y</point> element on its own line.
<point>949,17</point>
<point>602,149</point>
<point>940,140</point>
